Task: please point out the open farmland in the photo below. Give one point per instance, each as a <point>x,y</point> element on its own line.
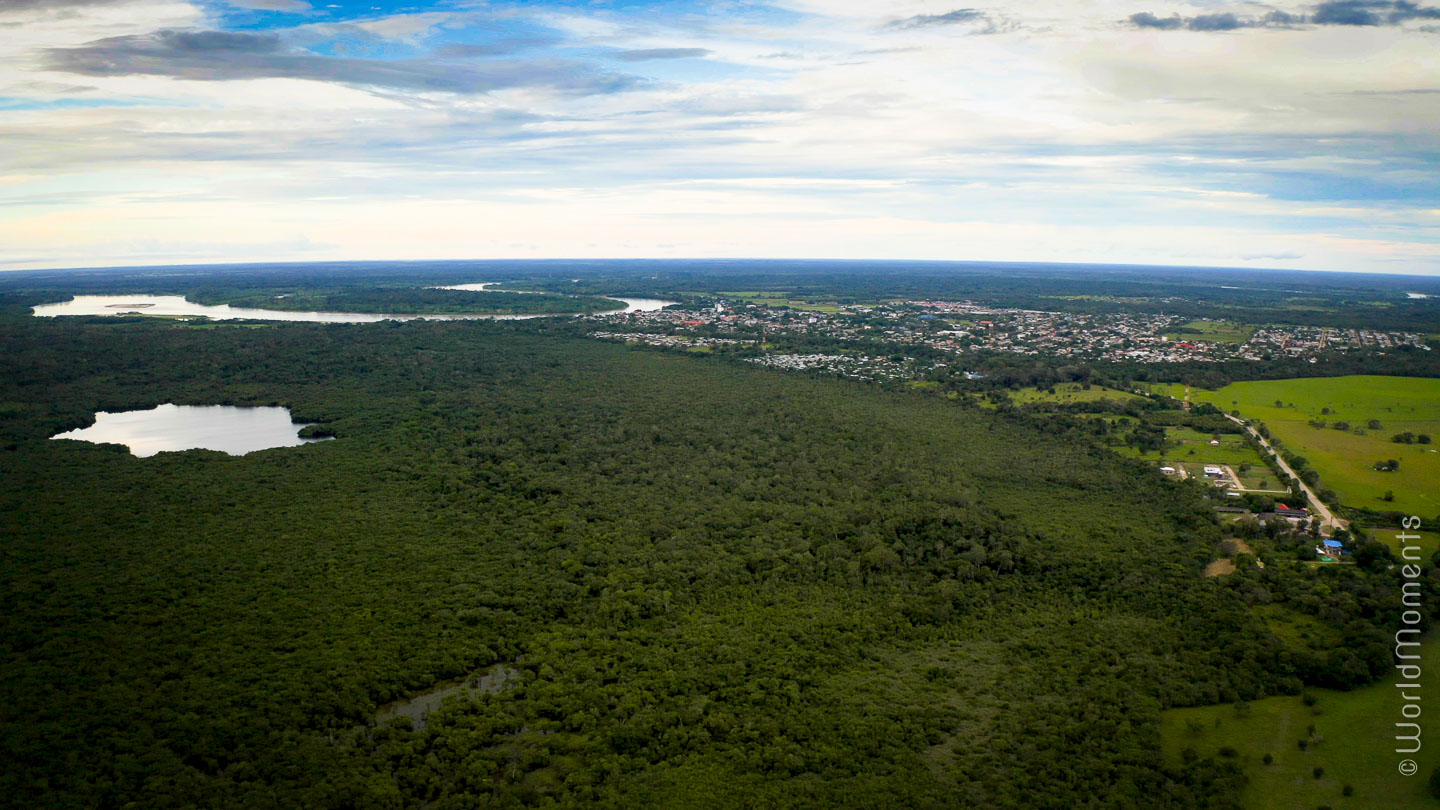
<point>1212,332</point>
<point>1429,541</point>
<point>1344,458</point>
<point>1355,746</point>
<point>1194,448</point>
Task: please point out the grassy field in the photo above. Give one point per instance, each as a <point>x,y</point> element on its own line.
<point>1344,458</point>
<point>1429,541</point>
<point>1192,447</point>
<point>1066,393</point>
<point>780,299</point>
<point>1357,749</point>
<point>1213,332</point>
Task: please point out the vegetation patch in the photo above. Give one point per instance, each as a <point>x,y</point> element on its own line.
<point>1332,422</point>
<point>1212,332</point>
<point>1066,393</point>
<point>1347,736</point>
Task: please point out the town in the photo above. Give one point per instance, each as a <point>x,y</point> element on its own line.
<point>861,337</point>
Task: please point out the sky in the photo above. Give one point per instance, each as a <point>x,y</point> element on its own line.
<point>1246,134</point>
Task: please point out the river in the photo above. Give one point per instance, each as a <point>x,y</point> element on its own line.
<point>178,306</point>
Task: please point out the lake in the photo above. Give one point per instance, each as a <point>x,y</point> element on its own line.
<point>177,305</point>
<point>226,428</point>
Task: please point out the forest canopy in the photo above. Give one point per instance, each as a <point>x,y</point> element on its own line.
<point>718,585</point>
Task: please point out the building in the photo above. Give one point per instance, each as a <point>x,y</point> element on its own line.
<point>1289,512</point>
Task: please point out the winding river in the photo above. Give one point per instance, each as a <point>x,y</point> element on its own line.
<point>178,306</point>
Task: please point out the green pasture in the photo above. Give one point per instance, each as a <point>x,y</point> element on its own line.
<point>1429,541</point>
<point>1212,332</point>
<point>1184,445</point>
<point>1355,746</point>
<point>1344,459</point>
<point>780,298</point>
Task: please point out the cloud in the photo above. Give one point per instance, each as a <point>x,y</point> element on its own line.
<point>30,5</point>
<point>272,5</point>
<point>1281,19</point>
<point>1371,12</point>
<point>224,56</point>
<point>959,16</point>
<point>1332,12</point>
<point>661,53</point>
<point>1253,257</point>
<point>1346,12</point>
<point>502,47</point>
<point>1214,22</point>
<point>1145,19</point>
<point>1205,22</point>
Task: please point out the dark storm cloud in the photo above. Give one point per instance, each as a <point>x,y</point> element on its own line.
<point>223,56</point>
<point>661,53</point>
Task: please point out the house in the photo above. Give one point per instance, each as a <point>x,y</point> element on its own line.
<point>1214,442</point>
<point>1213,470</point>
<point>1330,549</point>
<point>1287,512</point>
<point>1168,470</point>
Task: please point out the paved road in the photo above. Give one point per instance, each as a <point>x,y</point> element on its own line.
<point>1328,522</point>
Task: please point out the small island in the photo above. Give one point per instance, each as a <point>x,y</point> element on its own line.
<point>406,301</point>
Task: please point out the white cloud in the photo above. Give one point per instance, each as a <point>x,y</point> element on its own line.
<point>1067,136</point>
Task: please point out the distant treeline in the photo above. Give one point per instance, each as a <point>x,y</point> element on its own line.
<point>1347,300</point>
<point>402,301</point>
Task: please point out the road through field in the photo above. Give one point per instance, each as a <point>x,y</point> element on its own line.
<point>1328,521</point>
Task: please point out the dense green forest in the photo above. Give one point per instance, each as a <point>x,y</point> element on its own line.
<point>401,300</point>
<point>721,586</point>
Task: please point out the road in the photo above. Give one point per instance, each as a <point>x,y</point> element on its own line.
<point>1328,522</point>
